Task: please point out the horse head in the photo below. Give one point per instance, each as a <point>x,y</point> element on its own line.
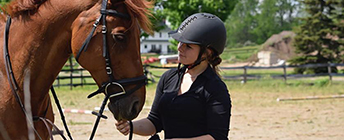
<point>42,36</point>
<point>112,52</point>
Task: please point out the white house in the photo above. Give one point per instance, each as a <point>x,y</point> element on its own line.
<point>157,43</point>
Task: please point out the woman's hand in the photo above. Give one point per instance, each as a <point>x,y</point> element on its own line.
<point>123,127</point>
<point>143,127</point>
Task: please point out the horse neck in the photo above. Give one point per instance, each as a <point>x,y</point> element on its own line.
<point>40,45</point>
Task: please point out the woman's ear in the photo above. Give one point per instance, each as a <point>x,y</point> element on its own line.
<point>207,53</point>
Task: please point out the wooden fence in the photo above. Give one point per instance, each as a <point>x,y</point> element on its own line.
<point>285,76</point>
<point>72,77</point>
<point>79,77</point>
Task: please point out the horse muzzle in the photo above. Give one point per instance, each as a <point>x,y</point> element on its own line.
<point>126,108</point>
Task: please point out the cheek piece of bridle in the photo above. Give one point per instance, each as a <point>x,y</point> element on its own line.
<point>105,88</point>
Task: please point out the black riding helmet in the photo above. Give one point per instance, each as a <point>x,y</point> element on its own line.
<point>204,29</point>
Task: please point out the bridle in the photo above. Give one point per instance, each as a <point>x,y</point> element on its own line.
<point>138,81</point>
<point>112,82</point>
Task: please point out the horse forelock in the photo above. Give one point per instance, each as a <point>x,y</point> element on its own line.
<point>140,9</point>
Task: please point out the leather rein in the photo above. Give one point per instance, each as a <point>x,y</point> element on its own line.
<point>14,89</point>
<point>138,81</point>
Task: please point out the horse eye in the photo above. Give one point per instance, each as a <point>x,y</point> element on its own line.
<point>118,37</point>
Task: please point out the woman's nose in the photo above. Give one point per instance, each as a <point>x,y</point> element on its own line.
<point>180,46</point>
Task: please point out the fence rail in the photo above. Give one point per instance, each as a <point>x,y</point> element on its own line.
<point>69,77</point>
<point>285,76</point>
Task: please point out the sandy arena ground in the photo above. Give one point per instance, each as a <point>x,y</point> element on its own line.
<point>251,120</point>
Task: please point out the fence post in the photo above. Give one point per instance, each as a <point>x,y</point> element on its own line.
<point>329,71</point>
<point>245,74</point>
<point>285,73</point>
<point>71,73</point>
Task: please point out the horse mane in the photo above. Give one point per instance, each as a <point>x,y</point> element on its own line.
<point>140,9</point>
<point>22,7</point>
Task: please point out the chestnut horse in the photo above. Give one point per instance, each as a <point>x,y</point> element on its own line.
<point>42,36</point>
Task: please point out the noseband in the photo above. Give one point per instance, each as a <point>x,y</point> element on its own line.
<point>105,88</point>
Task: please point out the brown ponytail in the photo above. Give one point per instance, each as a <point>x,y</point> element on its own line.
<point>214,60</point>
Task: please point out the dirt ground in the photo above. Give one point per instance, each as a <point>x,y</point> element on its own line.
<point>81,126</point>
<point>251,120</point>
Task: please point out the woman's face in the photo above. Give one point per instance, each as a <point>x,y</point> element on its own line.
<point>188,53</point>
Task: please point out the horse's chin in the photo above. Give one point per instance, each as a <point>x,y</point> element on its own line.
<point>115,112</point>
<point>124,111</point>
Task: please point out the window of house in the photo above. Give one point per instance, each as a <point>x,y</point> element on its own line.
<point>169,49</point>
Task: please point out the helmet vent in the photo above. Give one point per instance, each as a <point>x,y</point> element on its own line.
<point>187,23</point>
<point>208,16</point>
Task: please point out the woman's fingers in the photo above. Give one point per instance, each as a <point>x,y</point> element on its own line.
<point>125,130</point>
<point>123,127</point>
<point>121,124</point>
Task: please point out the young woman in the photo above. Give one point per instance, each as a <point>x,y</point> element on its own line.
<point>191,102</point>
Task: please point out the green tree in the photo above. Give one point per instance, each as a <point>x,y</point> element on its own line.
<point>255,20</point>
<point>319,38</point>
<point>287,13</point>
<point>176,11</point>
<point>275,16</point>
<point>267,23</point>
<point>240,23</point>
<point>338,19</point>
<point>157,20</point>
<point>2,2</point>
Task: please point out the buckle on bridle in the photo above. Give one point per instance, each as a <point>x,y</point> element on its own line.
<point>114,94</point>
<point>104,30</point>
<point>108,70</point>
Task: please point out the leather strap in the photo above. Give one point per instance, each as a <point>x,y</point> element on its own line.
<point>10,76</point>
<point>131,130</point>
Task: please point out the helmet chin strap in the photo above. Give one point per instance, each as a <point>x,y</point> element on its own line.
<point>182,70</point>
<point>196,63</point>
<point>199,58</point>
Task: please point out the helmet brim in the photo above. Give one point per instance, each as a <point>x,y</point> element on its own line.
<point>178,36</point>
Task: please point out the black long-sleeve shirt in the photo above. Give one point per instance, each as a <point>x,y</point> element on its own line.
<point>204,109</point>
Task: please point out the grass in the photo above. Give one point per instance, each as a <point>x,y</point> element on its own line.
<point>77,97</point>
<point>239,54</point>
